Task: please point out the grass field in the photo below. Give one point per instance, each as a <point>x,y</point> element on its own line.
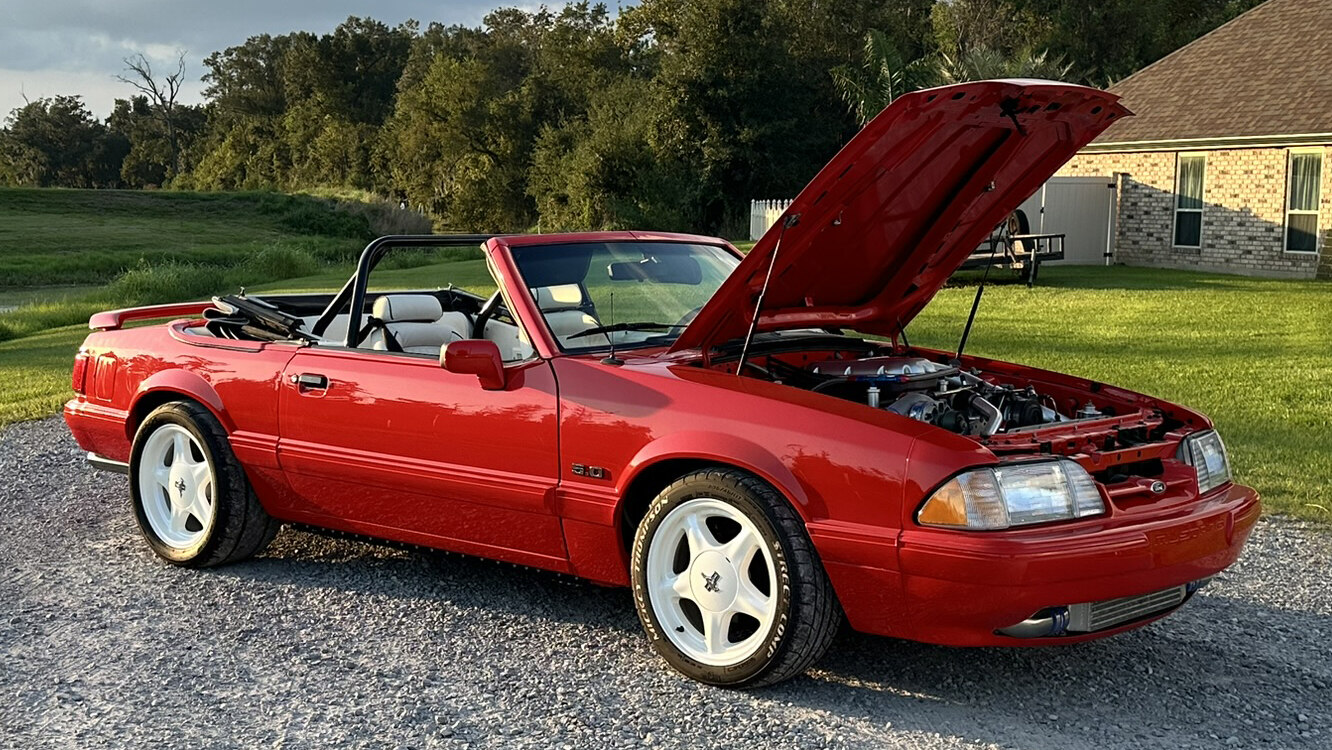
<point>52,237</point>
<point>1253,354</point>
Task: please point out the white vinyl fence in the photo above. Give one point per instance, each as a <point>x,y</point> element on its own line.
<point>763,214</point>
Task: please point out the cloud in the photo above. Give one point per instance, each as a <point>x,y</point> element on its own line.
<point>51,47</point>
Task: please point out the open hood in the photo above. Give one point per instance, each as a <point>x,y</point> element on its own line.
<point>879,230</point>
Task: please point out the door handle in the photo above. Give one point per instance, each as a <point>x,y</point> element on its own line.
<point>310,381</point>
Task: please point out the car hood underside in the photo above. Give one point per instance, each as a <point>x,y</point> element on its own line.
<point>879,230</point>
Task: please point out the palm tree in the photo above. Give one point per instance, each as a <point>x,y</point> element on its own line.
<point>980,63</point>
<point>882,76</point>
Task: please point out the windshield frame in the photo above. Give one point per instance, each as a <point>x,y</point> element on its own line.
<point>654,340</point>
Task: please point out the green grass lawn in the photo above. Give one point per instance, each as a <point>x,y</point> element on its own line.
<point>61,237</point>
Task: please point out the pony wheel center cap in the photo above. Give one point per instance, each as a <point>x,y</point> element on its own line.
<point>712,578</point>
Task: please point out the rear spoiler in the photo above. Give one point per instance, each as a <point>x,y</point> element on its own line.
<point>112,320</point>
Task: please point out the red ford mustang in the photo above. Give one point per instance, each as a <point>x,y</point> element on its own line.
<point>655,410</point>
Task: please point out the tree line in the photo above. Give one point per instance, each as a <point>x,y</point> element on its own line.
<point>671,114</point>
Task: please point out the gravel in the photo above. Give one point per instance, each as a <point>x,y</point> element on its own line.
<point>324,642</point>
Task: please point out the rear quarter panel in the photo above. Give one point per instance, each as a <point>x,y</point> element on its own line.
<point>133,370</point>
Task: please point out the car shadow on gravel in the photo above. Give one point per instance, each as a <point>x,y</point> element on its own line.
<point>304,558</point>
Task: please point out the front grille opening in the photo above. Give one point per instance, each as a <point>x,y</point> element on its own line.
<point>1126,472</point>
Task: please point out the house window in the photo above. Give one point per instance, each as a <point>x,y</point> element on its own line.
<point>1302,194</point>
<point>1189,199</point>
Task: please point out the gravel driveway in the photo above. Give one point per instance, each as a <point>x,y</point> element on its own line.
<point>330,643</point>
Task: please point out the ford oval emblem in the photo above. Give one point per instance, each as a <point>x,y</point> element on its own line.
<point>1158,487</point>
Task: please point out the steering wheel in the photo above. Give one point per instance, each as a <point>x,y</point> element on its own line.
<point>489,309</point>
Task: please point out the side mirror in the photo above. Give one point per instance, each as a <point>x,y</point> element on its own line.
<point>475,357</point>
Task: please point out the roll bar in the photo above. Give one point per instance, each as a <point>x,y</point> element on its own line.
<point>354,290</point>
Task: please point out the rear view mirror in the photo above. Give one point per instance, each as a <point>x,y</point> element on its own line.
<point>662,269</point>
<point>475,357</point>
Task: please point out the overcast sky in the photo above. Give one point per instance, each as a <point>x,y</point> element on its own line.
<point>50,47</point>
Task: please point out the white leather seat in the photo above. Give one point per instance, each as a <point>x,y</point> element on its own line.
<point>418,323</point>
<point>556,303</point>
<point>512,343</point>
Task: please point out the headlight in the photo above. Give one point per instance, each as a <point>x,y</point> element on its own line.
<point>1205,452</point>
<point>1013,495</point>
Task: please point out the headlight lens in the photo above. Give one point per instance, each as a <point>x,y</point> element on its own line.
<point>1205,452</point>
<point>1013,495</point>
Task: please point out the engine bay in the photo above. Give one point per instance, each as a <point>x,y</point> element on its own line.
<point>944,395</point>
<point>1011,409</point>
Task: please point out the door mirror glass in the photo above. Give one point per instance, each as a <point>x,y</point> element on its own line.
<point>475,357</point>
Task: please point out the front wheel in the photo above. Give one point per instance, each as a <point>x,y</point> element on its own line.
<point>727,583</point>
<point>193,502</point>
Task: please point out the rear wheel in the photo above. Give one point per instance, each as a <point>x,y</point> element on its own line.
<point>727,584</point>
<point>190,495</point>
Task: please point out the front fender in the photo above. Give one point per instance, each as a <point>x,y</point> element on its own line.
<point>721,448</point>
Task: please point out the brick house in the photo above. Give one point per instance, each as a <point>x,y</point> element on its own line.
<point>1225,166</point>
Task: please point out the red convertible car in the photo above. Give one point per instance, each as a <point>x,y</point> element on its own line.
<point>749,442</point>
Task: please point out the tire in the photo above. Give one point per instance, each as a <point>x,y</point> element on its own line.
<point>762,619</point>
<point>198,511</point>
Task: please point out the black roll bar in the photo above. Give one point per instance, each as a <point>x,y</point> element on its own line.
<point>355,289</point>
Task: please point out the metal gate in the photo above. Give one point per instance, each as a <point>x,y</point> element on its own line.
<point>1080,208</point>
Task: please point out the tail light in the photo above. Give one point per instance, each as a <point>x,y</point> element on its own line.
<point>80,373</point>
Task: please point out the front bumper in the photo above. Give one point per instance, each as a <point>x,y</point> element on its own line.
<point>961,588</point>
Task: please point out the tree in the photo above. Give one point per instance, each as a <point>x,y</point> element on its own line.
<point>882,76</point>
<point>980,63</point>
<point>1108,40</point>
<point>472,105</point>
<point>148,157</point>
<point>602,172</point>
<point>161,95</point>
<point>56,142</point>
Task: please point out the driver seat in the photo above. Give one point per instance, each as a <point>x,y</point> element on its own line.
<point>418,323</point>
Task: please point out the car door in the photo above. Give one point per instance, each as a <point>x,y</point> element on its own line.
<point>392,445</point>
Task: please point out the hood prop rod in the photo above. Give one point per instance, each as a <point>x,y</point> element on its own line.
<point>975,305</point>
<point>787,223</point>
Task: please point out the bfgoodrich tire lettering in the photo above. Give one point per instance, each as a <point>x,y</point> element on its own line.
<point>727,583</point>
<point>190,495</point>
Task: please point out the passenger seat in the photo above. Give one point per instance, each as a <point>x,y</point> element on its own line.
<point>558,305</point>
<point>418,323</point>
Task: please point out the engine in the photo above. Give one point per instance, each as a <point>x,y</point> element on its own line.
<point>943,395</point>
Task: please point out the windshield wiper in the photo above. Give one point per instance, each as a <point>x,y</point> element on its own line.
<point>644,326</point>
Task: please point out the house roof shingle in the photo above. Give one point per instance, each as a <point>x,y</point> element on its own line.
<point>1266,73</point>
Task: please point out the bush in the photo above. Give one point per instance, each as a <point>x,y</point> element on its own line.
<point>167,282</point>
<point>385,218</point>
<point>282,261</point>
<point>310,216</point>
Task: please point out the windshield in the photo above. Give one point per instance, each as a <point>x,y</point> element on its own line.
<point>630,294</point>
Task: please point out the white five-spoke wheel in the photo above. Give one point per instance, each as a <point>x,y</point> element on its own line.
<point>712,582</point>
<point>191,497</point>
<point>727,584</point>
<point>176,484</point>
